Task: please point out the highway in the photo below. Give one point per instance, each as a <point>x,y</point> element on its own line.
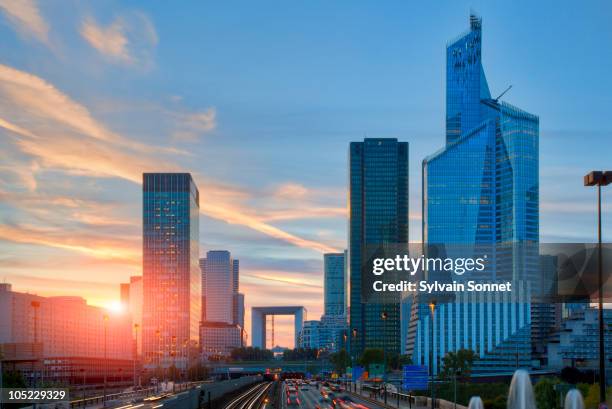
<point>312,398</point>
<point>251,399</point>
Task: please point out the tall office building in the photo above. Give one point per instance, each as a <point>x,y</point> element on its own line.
<point>333,324</point>
<point>335,285</point>
<point>378,201</point>
<point>219,284</point>
<point>222,304</point>
<point>171,275</point>
<point>481,190</point>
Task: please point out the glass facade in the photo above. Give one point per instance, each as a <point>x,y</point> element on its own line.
<point>481,189</point>
<point>334,295</point>
<point>219,286</point>
<point>378,202</point>
<point>171,275</point>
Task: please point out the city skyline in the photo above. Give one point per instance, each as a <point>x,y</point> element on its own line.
<point>277,207</point>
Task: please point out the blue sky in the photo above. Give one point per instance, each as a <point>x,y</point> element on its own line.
<point>259,100</point>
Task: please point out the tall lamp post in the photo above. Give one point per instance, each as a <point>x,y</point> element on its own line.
<point>105,357</point>
<point>432,308</point>
<point>136,326</point>
<point>353,340</point>
<point>384,315</point>
<point>599,179</point>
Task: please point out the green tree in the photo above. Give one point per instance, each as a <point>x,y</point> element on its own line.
<point>13,379</point>
<point>340,360</point>
<point>459,362</point>
<point>371,356</point>
<point>545,394</point>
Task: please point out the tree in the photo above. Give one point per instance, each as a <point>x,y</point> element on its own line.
<point>371,356</point>
<point>545,395</point>
<point>300,354</point>
<point>457,363</point>
<point>251,354</point>
<point>397,361</point>
<point>340,360</point>
<point>13,379</point>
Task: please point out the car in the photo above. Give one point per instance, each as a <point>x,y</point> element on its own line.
<point>293,399</point>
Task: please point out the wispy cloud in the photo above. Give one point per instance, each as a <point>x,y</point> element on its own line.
<point>129,39</point>
<point>61,134</point>
<point>94,246</point>
<point>192,125</point>
<point>25,16</point>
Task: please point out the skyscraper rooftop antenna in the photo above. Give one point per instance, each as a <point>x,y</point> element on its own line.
<point>502,94</point>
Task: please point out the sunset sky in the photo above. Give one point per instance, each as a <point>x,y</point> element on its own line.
<point>259,101</point>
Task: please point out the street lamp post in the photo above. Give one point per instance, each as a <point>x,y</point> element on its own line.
<point>136,326</point>
<point>35,306</point>
<point>105,357</point>
<point>599,179</point>
<point>353,340</point>
<point>384,317</point>
<point>432,308</point>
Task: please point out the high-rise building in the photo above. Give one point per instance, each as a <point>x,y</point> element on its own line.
<point>219,284</point>
<point>335,285</point>
<point>333,324</point>
<point>309,336</point>
<point>481,189</point>
<point>576,342</point>
<point>171,275</point>
<point>131,300</point>
<point>378,201</point>
<point>222,304</point>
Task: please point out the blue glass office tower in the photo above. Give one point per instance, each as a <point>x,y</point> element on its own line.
<point>335,285</point>
<point>378,215</point>
<point>481,189</point>
<point>171,274</point>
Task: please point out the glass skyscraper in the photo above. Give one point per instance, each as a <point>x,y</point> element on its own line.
<point>378,202</point>
<point>334,296</point>
<point>481,189</point>
<point>171,274</point>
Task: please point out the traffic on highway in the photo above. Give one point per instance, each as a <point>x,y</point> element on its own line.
<point>314,394</point>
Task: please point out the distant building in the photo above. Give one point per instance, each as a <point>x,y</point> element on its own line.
<point>219,338</point>
<point>335,284</point>
<point>171,276</point>
<point>219,285</point>
<point>309,337</point>
<point>334,324</point>
<point>576,343</point>
<point>131,300</point>
<point>56,337</point>
<point>222,304</point>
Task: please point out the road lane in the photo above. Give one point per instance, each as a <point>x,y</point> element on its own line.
<point>312,398</point>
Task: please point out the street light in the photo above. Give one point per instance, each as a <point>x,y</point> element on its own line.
<point>384,317</point>
<point>599,179</point>
<point>136,326</point>
<point>353,340</point>
<point>432,308</point>
<point>105,317</point>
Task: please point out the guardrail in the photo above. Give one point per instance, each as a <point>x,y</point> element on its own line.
<point>206,390</point>
<point>131,395</point>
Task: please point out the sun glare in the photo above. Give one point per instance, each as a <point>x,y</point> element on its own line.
<point>114,307</point>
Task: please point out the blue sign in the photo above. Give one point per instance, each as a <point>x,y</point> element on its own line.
<point>414,377</point>
<point>357,372</point>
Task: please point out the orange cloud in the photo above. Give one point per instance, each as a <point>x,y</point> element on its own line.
<point>93,246</point>
<point>26,17</point>
<point>65,136</point>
